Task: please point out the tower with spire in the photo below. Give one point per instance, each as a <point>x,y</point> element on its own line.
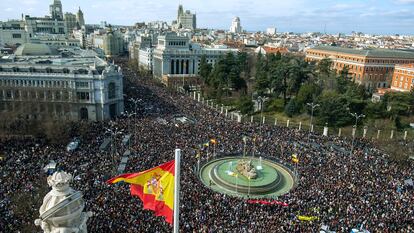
<point>55,10</point>
<point>79,18</point>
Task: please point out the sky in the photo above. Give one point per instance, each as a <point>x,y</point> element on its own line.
<point>345,16</point>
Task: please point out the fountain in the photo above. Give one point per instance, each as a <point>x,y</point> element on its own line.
<point>260,167</point>
<point>245,168</point>
<point>247,176</point>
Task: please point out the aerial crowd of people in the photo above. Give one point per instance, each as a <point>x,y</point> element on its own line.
<point>364,190</point>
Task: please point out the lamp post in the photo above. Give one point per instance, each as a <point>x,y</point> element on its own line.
<point>114,132</point>
<point>357,116</point>
<point>135,101</point>
<point>313,106</point>
<point>129,115</point>
<point>261,99</point>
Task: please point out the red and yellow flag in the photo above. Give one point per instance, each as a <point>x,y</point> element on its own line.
<point>155,187</point>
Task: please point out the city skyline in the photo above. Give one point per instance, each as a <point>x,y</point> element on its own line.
<point>372,16</point>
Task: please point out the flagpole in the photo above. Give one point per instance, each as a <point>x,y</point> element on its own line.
<point>177,191</point>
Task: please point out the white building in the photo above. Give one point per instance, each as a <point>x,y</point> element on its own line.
<point>175,58</point>
<point>39,82</point>
<point>271,31</point>
<point>236,26</point>
<point>185,19</point>
<point>145,58</point>
<point>17,32</point>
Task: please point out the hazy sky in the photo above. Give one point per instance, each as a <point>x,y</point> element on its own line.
<point>370,16</point>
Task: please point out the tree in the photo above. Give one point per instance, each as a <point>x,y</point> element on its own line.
<point>333,109</point>
<point>308,93</point>
<point>262,81</point>
<point>292,108</point>
<point>245,105</point>
<point>205,69</point>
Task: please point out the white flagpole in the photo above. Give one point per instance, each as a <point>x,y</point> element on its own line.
<point>177,191</point>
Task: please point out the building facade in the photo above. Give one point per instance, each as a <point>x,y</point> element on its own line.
<point>403,78</point>
<point>372,68</point>
<point>70,21</point>
<point>49,85</point>
<point>175,59</point>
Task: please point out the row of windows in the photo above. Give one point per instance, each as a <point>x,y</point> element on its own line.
<point>39,107</point>
<point>34,95</point>
<point>82,84</point>
<point>404,72</point>
<point>379,61</point>
<point>359,68</point>
<point>182,43</point>
<point>32,83</point>
<point>82,95</point>
<point>406,85</point>
<point>406,79</point>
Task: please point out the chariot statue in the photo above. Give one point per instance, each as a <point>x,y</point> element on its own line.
<point>246,168</point>
<point>62,208</point>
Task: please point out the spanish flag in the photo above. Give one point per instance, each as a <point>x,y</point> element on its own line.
<point>155,187</point>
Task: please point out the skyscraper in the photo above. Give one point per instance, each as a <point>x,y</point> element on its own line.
<point>235,26</point>
<point>185,19</point>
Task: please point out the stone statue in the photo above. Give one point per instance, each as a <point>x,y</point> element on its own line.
<point>62,208</point>
<point>246,168</point>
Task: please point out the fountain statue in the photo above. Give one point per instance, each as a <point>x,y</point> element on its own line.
<point>246,168</point>
<point>62,208</point>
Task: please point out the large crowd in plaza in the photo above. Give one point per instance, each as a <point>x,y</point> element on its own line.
<point>344,191</point>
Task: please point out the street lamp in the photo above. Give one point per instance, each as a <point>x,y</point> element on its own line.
<point>261,99</point>
<point>135,101</point>
<point>113,133</point>
<point>313,106</point>
<point>357,116</point>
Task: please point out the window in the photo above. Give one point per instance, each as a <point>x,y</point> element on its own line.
<point>17,36</point>
<point>82,95</point>
<point>82,84</point>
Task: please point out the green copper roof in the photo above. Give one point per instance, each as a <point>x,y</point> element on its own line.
<point>384,53</point>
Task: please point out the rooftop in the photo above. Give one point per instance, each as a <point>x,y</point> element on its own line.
<point>388,53</point>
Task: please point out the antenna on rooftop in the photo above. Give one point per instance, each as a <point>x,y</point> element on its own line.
<point>324,29</point>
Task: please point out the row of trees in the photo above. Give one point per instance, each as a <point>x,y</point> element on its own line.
<point>289,83</point>
<point>227,76</point>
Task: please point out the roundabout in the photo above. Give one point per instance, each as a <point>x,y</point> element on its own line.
<point>248,177</point>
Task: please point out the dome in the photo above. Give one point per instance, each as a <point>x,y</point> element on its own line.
<point>30,49</point>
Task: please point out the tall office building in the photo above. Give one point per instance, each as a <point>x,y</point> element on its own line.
<point>185,19</point>
<point>236,26</point>
<point>70,22</point>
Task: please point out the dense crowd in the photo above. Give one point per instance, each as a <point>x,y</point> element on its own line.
<point>344,191</point>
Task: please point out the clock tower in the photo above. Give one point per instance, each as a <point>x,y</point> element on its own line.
<point>56,11</point>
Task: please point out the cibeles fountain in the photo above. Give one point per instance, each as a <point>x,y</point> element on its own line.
<point>247,176</point>
<point>62,208</point>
